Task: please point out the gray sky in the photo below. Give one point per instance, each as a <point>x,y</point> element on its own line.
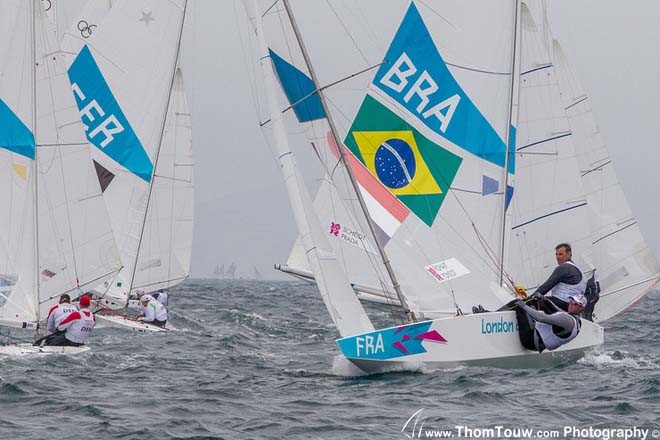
<point>242,213</point>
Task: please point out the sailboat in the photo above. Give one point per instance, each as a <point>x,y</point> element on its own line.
<point>143,155</point>
<point>219,271</point>
<point>419,180</point>
<point>54,230</point>
<point>557,138</point>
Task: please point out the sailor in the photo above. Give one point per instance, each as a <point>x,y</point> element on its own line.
<point>76,327</point>
<point>137,294</point>
<point>162,297</point>
<point>56,315</point>
<point>152,312</point>
<point>539,331</point>
<point>566,281</point>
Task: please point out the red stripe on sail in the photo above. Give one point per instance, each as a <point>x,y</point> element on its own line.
<point>367,180</point>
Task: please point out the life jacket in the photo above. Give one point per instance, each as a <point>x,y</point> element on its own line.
<point>564,291</point>
<point>79,326</point>
<point>550,339</point>
<point>58,313</point>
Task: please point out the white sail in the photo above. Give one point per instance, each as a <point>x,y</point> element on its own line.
<point>165,251</point>
<point>123,83</point>
<point>457,213</point>
<point>626,266</point>
<point>340,300</point>
<point>549,204</point>
<point>58,236</point>
<point>427,140</point>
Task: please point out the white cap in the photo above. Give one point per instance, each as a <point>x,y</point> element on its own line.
<point>579,299</point>
<point>146,298</point>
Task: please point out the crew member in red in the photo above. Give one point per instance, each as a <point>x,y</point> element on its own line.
<point>78,326</point>
<point>56,315</point>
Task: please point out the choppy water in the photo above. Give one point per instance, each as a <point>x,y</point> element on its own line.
<point>258,360</point>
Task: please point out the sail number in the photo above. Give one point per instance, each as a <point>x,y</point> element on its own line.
<point>94,118</point>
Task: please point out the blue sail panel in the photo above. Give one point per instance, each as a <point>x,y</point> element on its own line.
<point>14,135</point>
<point>413,66</point>
<point>299,90</point>
<point>106,126</point>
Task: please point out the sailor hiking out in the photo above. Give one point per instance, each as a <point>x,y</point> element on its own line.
<point>152,312</point>
<point>541,330</point>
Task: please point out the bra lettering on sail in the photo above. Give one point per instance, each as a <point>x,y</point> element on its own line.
<point>416,77</point>
<point>424,88</point>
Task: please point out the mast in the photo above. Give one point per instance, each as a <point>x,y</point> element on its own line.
<point>160,143</point>
<point>513,115</point>
<point>35,173</point>
<point>410,316</point>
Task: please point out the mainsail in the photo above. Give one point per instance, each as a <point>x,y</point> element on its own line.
<point>133,104</point>
<point>559,181</point>
<point>446,206</point>
<point>56,237</point>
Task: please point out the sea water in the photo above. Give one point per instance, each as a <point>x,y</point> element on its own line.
<point>259,360</point>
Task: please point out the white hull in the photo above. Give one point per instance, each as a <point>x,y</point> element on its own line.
<point>29,349</point>
<point>124,322</point>
<point>489,339</point>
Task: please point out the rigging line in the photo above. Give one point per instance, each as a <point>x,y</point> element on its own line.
<point>654,277</point>
<point>252,84</point>
<point>181,278</point>
<point>474,69</point>
<point>334,83</point>
<point>450,190</point>
<point>88,282</point>
<point>51,68</point>
<point>584,98</point>
<point>614,232</point>
<point>353,216</point>
<point>559,136</point>
<point>160,140</point>
<point>343,25</point>
<point>437,13</point>
<point>67,144</point>
<point>269,8</point>
<point>33,78</point>
<point>597,168</point>
<point>536,69</point>
<point>549,215</point>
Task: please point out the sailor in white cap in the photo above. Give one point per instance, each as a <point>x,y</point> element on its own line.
<point>152,312</point>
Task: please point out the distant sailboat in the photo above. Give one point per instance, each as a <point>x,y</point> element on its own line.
<point>257,274</point>
<point>231,272</point>
<point>219,271</point>
<point>55,234</point>
<point>419,177</point>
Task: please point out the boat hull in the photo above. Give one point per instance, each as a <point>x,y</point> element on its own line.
<point>486,339</point>
<point>118,321</point>
<point>29,349</point>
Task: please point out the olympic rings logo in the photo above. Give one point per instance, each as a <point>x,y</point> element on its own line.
<point>85,28</point>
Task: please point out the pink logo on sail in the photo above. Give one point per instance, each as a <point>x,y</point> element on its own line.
<point>334,229</point>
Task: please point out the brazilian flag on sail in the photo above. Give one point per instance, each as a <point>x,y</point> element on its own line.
<point>416,170</point>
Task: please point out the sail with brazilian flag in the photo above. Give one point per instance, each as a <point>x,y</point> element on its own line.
<point>426,137</point>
